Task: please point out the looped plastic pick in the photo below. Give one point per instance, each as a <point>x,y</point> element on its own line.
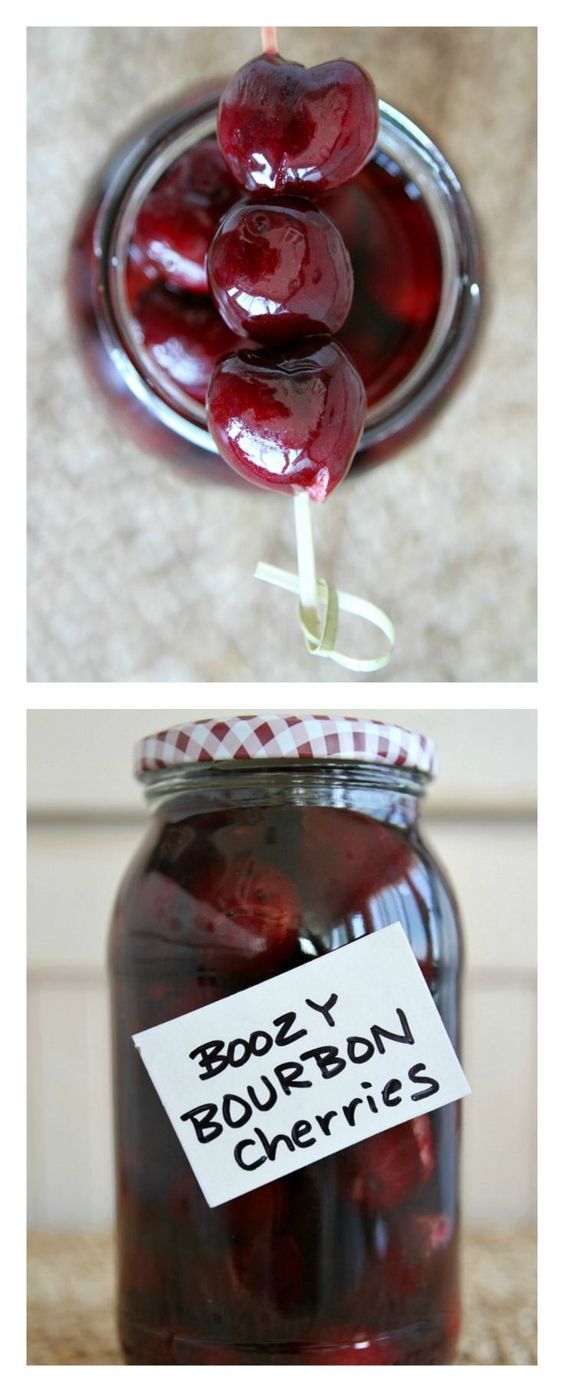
<point>321,604</point>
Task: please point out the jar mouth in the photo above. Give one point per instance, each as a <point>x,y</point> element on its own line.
<point>402,146</point>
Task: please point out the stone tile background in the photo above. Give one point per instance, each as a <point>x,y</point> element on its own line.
<point>133,575</point>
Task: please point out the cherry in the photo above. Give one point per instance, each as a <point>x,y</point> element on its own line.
<point>383,1170</point>
<point>184,337</point>
<point>416,1259</point>
<point>177,994</point>
<point>360,857</point>
<point>246,914</point>
<point>139,277</point>
<point>232,830</point>
<point>177,221</point>
<point>423,1235</point>
<point>280,270</point>
<point>288,420</point>
<point>272,1266</point>
<point>160,912</point>
<point>290,129</point>
<point>258,1211</point>
<point>181,1194</point>
<point>146,1272</point>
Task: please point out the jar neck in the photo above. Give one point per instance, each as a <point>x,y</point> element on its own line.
<point>387,794</point>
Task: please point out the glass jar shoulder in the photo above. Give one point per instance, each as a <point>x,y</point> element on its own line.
<point>244,892</point>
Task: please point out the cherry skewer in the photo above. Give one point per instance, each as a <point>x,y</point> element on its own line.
<point>302,512</point>
<point>319,603</point>
<point>307,577</point>
<point>269,39</point>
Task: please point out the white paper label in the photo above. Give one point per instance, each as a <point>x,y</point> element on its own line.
<point>298,1067</point>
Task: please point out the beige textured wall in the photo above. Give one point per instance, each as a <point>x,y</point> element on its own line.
<point>135,575</point>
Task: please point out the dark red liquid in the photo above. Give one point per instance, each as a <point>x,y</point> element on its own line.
<point>397,269</point>
<point>352,1259</point>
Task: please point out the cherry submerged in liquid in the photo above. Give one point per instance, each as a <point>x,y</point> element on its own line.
<point>396,261</point>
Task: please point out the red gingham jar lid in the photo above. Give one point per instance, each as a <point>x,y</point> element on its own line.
<point>238,737</point>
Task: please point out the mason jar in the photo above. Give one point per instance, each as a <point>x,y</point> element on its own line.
<point>416,261</point>
<point>272,842</point>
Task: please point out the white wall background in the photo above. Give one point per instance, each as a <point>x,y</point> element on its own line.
<point>85,819</point>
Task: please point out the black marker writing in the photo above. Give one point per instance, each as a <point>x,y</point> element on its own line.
<point>285,1022</point>
<point>327,1058</point>
<point>389,1090</point>
<point>379,1033</point>
<point>415,1077</point>
<point>290,1076</point>
<point>247,1164</point>
<point>325,1010</point>
<point>201,1118</point>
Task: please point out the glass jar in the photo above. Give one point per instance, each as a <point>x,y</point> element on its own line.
<point>406,211</point>
<point>273,840</point>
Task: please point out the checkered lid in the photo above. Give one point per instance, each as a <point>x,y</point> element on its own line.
<point>225,739</point>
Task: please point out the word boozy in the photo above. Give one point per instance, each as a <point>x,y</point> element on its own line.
<point>316,1064</point>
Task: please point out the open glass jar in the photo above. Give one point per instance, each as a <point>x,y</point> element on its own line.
<point>408,226</point>
<point>274,840</point>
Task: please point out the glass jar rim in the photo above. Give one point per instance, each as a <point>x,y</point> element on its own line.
<point>406,146</point>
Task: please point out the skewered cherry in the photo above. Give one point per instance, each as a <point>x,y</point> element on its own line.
<point>280,270</point>
<point>288,420</point>
<point>290,129</point>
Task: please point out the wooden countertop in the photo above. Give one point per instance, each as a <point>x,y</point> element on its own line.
<point>71,1299</point>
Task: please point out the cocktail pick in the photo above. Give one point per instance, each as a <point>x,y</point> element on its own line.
<point>320,604</point>
<point>269,38</point>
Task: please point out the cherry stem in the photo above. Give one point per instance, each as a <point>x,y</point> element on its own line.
<point>269,39</point>
<point>307,578</point>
